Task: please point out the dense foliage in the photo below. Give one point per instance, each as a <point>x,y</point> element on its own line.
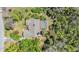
<point>29,45</point>
<point>63,33</point>
<point>64,30</point>
<point>26,13</point>
<point>25,45</point>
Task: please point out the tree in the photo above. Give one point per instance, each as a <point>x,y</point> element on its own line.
<point>64,29</point>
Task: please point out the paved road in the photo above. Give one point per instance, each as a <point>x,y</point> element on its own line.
<point>1,31</point>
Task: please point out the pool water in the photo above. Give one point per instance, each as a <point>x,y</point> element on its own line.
<point>43,24</point>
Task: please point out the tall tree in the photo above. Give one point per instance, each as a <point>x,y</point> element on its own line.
<point>64,29</point>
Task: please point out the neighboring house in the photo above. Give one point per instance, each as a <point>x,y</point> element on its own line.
<point>34,27</point>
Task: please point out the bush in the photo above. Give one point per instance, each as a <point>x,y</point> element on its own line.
<point>12,48</point>
<point>15,36</point>
<point>17,14</point>
<point>35,16</point>
<point>42,17</point>
<point>25,45</point>
<point>15,17</point>
<point>37,10</point>
<point>29,45</point>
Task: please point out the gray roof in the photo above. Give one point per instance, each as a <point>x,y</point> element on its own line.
<point>35,26</point>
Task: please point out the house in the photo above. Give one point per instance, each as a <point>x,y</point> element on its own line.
<point>34,27</point>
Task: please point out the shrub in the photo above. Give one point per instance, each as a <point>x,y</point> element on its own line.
<point>29,45</point>
<point>25,45</point>
<point>14,36</point>
<point>36,16</point>
<point>12,48</point>
<point>37,10</point>
<point>42,17</point>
